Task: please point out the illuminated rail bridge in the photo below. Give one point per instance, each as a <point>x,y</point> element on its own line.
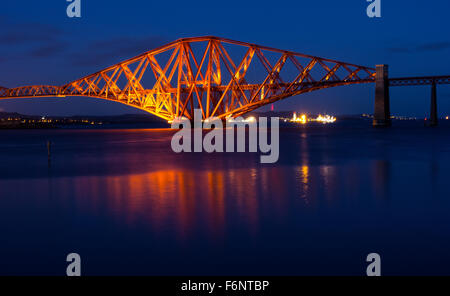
<point>222,78</point>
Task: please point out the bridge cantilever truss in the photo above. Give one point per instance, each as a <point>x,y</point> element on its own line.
<point>222,77</point>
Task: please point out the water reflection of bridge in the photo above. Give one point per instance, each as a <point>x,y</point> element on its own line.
<point>183,202</point>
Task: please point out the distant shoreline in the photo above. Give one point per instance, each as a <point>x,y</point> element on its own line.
<point>17,121</point>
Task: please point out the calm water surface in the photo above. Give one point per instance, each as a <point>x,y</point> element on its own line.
<point>130,206</point>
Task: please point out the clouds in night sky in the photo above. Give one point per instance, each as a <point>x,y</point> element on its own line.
<point>107,51</point>
<point>426,47</point>
<point>38,41</point>
<point>31,40</point>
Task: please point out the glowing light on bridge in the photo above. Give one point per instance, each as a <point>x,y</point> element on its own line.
<point>250,119</point>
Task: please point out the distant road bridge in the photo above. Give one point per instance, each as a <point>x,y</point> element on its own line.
<point>222,78</point>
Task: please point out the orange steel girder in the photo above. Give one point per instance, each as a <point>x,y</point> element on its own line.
<point>206,73</point>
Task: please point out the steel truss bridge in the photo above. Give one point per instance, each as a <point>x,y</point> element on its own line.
<point>221,77</point>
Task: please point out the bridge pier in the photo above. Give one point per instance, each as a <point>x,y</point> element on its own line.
<point>382,113</point>
<point>433,111</point>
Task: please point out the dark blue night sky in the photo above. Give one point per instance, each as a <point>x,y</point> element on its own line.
<point>41,45</point>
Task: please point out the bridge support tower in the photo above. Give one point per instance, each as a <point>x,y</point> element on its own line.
<point>433,111</point>
<point>382,113</point>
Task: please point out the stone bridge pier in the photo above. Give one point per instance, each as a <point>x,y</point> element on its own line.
<point>382,113</point>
